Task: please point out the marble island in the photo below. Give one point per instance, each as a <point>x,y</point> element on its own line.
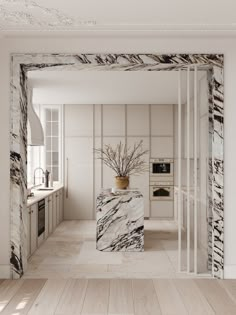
<point>120,221</point>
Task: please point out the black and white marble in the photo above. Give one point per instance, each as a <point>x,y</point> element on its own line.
<point>120,221</point>
<point>22,63</point>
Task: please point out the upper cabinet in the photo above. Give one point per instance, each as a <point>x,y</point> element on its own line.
<point>113,120</point>
<point>138,120</point>
<point>162,117</point>
<point>78,120</point>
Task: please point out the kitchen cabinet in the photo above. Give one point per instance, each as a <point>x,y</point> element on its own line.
<point>50,213</point>
<point>28,231</point>
<point>46,219</point>
<point>33,227</point>
<point>53,216</point>
<point>54,211</point>
<point>61,201</point>
<point>58,208</point>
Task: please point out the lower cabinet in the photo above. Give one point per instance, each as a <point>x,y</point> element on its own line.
<point>50,214</point>
<point>32,235</point>
<point>53,217</point>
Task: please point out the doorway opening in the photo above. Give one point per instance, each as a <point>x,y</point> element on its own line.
<point>213,66</point>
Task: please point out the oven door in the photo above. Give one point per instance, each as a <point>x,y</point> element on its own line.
<point>161,168</point>
<point>161,192</point>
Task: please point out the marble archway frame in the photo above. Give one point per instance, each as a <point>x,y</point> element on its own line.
<point>22,63</point>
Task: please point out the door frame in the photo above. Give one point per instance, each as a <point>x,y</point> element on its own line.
<point>22,63</point>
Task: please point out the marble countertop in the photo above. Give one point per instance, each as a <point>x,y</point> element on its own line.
<point>41,194</point>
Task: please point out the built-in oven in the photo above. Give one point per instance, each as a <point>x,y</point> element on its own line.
<point>162,191</point>
<point>161,168</point>
<point>41,217</point>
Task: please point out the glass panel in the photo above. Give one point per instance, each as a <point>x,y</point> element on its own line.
<point>48,144</point>
<point>48,129</point>
<point>54,115</point>
<point>55,173</point>
<point>55,144</point>
<point>54,129</point>
<point>48,158</point>
<point>48,115</point>
<point>55,158</point>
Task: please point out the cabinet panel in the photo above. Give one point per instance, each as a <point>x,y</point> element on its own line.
<point>28,234</point>
<point>60,205</point>
<point>138,120</point>
<point>33,227</point>
<point>79,178</point>
<point>162,209</point>
<point>162,147</point>
<point>46,218</point>
<point>50,214</point>
<point>54,212</point>
<point>78,120</point>
<point>141,182</point>
<point>113,120</point>
<point>162,120</point>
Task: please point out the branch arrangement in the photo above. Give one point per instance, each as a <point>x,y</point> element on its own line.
<point>123,160</point>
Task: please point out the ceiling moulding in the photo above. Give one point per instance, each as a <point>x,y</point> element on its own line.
<point>92,33</point>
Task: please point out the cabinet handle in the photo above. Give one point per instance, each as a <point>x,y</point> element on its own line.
<point>67,180</point>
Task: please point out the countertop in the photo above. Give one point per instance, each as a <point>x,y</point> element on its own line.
<point>41,194</point>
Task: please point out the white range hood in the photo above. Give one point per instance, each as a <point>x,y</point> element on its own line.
<point>35,134</point>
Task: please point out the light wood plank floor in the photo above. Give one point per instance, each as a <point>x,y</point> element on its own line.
<point>117,296</point>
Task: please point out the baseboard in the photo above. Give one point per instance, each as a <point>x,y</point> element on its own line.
<point>230,272</point>
<point>5,272</point>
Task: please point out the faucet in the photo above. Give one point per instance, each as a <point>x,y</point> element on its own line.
<point>38,168</point>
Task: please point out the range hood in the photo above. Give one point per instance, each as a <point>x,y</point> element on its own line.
<point>35,136</point>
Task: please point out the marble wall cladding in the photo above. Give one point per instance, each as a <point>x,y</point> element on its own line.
<point>22,63</point>
<point>120,222</point>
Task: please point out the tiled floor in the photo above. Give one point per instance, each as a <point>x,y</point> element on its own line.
<point>70,252</point>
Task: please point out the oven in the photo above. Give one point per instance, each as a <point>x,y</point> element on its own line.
<point>162,191</point>
<point>41,217</point>
<point>163,169</point>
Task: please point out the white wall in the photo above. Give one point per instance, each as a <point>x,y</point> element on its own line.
<point>128,44</point>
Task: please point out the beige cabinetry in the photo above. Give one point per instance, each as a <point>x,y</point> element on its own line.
<point>53,217</point>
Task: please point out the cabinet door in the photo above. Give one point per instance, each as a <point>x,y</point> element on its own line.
<point>54,211</point>
<point>79,178</point>
<point>28,231</point>
<point>34,227</point>
<point>58,206</point>
<point>141,181</point>
<point>46,219</point>
<point>61,204</point>
<point>114,120</point>
<point>50,214</point>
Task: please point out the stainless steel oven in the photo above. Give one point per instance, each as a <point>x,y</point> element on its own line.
<point>161,191</point>
<point>161,169</point>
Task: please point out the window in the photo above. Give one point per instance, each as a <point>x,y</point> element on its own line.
<point>52,142</point>
<point>48,156</point>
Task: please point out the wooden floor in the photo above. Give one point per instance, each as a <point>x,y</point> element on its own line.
<point>117,296</point>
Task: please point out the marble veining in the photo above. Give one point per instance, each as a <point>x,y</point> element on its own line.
<point>22,63</point>
<point>120,221</point>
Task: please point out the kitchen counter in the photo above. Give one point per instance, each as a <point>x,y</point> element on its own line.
<point>120,221</point>
<point>41,194</point>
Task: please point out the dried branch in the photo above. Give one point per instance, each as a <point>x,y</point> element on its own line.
<point>122,160</point>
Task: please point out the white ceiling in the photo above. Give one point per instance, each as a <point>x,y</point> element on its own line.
<point>106,87</point>
<point>28,15</point>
